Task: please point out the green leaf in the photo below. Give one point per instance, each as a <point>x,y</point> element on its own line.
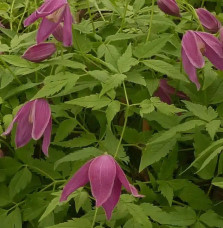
<point>64,129</point>
<point>113,82</point>
<point>13,220</point>
<point>93,101</point>
<point>166,69</point>
<point>19,182</point>
<point>77,223</point>
<point>80,200</point>
<point>155,152</point>
<point>17,61</point>
<point>204,113</point>
<point>146,50</point>
<point>212,219</point>
<point>166,191</point>
<point>9,166</point>
<point>218,181</point>
<point>125,62</point>
<point>212,127</point>
<point>112,110</point>
<point>121,36</point>
<point>79,155</point>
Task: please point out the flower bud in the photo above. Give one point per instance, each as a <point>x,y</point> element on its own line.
<point>169,7</point>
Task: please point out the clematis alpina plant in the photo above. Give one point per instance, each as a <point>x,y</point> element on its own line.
<point>208,20</point>
<point>106,178</point>
<point>169,7</point>
<point>39,52</point>
<point>52,12</point>
<point>165,91</point>
<point>33,121</point>
<point>195,45</point>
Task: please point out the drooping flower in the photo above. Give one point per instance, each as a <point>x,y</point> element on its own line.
<point>221,34</point>
<point>169,7</point>
<point>165,91</point>
<point>195,45</point>
<point>33,121</point>
<point>106,178</point>
<point>39,52</point>
<point>208,20</point>
<point>52,12</point>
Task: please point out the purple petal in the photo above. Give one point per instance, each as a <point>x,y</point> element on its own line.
<point>112,201</point>
<point>39,52</point>
<point>221,35</point>
<point>208,20</point>
<point>41,117</point>
<point>22,111</point>
<point>58,33</point>
<point>47,8</point>
<point>67,29</point>
<point>47,137</point>
<point>190,70</point>
<point>213,49</point>
<point>192,46</point>
<point>102,174</point>
<point>169,7</point>
<point>45,29</point>
<point>121,176</point>
<point>24,127</point>
<point>79,179</point>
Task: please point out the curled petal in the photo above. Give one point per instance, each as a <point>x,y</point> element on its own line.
<point>41,117</point>
<point>121,176</point>
<point>112,201</point>
<point>79,179</point>
<point>22,112</point>
<point>169,7</point>
<point>190,69</point>
<point>39,52</point>
<point>58,33</point>
<point>46,137</point>
<point>67,29</point>
<point>102,174</point>
<point>208,20</point>
<point>192,46</point>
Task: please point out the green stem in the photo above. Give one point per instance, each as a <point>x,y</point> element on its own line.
<point>90,15</point>
<point>202,4</point>
<point>95,215</point>
<point>6,144</point>
<point>151,21</point>
<point>124,16</point>
<point>11,14</point>
<point>20,22</point>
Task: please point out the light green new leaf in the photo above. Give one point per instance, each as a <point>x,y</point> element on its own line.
<point>201,111</point>
<point>154,152</point>
<point>146,107</point>
<point>93,101</point>
<point>125,62</point>
<point>19,181</point>
<point>218,181</point>
<point>166,69</point>
<point>113,82</point>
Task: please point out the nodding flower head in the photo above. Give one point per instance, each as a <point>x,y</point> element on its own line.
<point>169,7</point>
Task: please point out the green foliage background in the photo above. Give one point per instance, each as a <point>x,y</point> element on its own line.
<point>101,95</point>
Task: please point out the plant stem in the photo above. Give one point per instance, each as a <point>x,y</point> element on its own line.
<point>123,19</point>
<point>90,15</point>
<point>20,22</point>
<point>6,144</point>
<point>151,21</point>
<point>95,215</point>
<point>11,15</point>
<point>202,4</point>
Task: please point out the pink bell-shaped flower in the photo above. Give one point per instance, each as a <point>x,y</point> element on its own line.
<point>39,52</point>
<point>33,121</point>
<point>208,20</point>
<point>169,7</point>
<point>195,45</point>
<point>52,12</point>
<point>106,178</point>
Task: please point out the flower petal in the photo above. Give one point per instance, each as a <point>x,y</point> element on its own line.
<point>79,179</point>
<point>47,137</point>
<point>112,201</point>
<point>46,28</point>
<point>41,117</point>
<point>102,174</point>
<point>190,70</point>
<point>39,52</point>
<point>24,127</point>
<point>121,176</point>
<point>67,28</point>
<point>169,7</point>
<point>25,109</point>
<point>190,44</point>
<point>58,33</point>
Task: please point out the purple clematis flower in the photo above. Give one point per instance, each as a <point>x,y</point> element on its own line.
<point>194,46</point>
<point>208,20</point>
<point>169,7</point>
<point>39,52</point>
<point>221,34</point>
<point>106,178</point>
<point>165,91</point>
<point>33,120</point>
<point>53,12</point>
